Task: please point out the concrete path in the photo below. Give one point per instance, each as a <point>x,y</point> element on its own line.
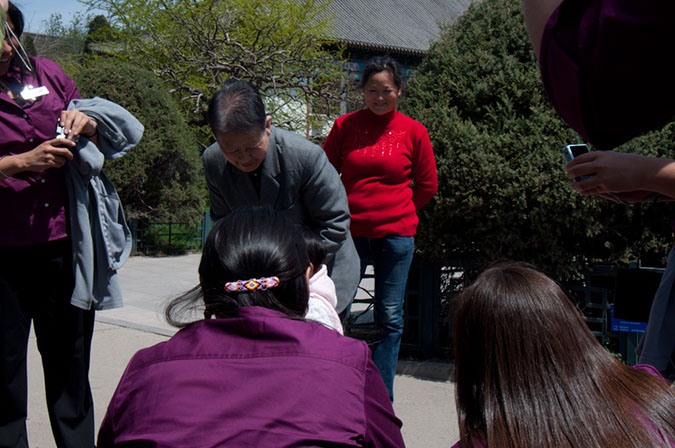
<point>425,406</point>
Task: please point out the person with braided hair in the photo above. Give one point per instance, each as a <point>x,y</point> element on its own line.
<point>253,371</point>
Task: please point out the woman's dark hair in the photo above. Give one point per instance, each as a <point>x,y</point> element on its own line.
<point>378,64</point>
<point>529,373</point>
<point>316,250</point>
<point>251,242</point>
<point>16,16</point>
<point>237,107</point>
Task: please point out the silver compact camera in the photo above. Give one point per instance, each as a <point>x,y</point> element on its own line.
<point>60,131</point>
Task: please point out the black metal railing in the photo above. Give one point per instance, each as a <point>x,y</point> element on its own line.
<point>168,237</point>
<point>432,287</point>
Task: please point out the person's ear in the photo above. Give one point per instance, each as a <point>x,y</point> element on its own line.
<point>268,125</point>
<point>308,272</point>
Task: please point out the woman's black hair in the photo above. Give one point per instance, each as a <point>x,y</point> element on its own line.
<point>316,250</point>
<point>237,107</point>
<point>16,16</point>
<point>378,64</point>
<point>251,242</point>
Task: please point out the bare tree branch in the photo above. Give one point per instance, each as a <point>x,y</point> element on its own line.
<point>193,46</point>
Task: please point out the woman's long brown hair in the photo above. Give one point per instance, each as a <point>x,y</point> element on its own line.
<point>529,373</point>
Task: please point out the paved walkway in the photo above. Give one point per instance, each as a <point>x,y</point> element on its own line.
<point>425,406</point>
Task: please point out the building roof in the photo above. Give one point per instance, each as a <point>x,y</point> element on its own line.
<point>403,26</point>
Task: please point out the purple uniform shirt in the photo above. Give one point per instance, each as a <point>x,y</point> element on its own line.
<point>34,203</point>
<point>259,380</point>
<point>607,67</point>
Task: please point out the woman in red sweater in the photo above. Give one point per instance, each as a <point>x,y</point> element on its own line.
<point>389,173</point>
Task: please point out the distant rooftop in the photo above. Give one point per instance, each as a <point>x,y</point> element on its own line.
<point>403,26</point>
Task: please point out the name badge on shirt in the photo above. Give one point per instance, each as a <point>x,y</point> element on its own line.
<point>30,92</point>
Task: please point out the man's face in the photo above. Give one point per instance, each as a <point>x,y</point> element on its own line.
<point>245,151</point>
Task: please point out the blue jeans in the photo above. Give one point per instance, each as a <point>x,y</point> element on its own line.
<point>391,257</point>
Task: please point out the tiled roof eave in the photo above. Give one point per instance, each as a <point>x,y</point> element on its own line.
<point>380,47</point>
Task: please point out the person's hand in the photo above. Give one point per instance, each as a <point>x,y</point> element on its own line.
<point>50,154</point>
<point>610,172</point>
<point>76,123</point>
<point>4,4</point>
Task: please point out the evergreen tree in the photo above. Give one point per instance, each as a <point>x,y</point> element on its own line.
<point>99,30</point>
<point>503,193</point>
<point>161,178</point>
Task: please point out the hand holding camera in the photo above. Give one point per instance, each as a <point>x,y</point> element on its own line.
<point>74,123</point>
<point>619,177</point>
<point>570,152</point>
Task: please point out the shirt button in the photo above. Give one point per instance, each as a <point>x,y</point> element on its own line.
<point>25,116</point>
<point>43,181</point>
<point>46,204</point>
<point>30,140</point>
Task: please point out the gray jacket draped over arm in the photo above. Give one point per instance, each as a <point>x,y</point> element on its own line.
<point>101,240</point>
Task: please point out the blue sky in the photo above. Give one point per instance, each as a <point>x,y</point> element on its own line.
<point>38,11</point>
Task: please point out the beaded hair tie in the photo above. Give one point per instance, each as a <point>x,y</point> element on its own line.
<point>253,284</point>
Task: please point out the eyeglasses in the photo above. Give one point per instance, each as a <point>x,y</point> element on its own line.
<point>240,151</point>
<point>10,37</point>
<point>15,43</point>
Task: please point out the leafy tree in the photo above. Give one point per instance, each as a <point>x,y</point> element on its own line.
<point>161,178</point>
<point>61,40</point>
<point>195,45</point>
<point>503,193</point>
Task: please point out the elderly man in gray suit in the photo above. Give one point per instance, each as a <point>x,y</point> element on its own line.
<point>254,163</point>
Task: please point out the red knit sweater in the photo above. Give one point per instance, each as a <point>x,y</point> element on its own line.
<point>378,157</point>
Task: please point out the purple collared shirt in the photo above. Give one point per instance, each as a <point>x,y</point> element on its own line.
<point>259,379</point>
<point>34,203</point>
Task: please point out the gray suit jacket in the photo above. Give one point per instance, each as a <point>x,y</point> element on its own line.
<point>297,179</point>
